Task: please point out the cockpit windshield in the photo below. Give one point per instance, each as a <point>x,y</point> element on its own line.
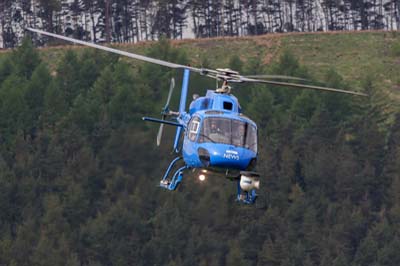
<point>229,131</point>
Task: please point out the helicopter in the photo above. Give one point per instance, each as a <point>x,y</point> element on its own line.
<point>213,137</point>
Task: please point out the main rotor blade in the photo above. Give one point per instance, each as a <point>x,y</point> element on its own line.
<point>115,51</point>
<point>302,86</point>
<point>274,77</point>
<point>203,71</point>
<point>160,130</point>
<point>171,89</point>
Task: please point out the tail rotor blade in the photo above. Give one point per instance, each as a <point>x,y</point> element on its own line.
<point>223,74</point>
<point>159,134</point>
<point>274,77</point>
<point>171,89</point>
<point>165,110</point>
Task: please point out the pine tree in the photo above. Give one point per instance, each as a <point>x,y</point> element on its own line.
<point>235,255</point>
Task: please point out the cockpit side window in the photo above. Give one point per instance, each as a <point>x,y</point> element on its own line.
<point>194,126</point>
<point>217,130</point>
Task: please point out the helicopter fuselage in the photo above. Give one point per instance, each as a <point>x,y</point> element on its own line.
<point>218,135</point>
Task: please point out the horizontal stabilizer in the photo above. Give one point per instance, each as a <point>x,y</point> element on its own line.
<point>171,123</point>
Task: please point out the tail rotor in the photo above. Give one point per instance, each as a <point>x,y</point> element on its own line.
<point>165,110</point>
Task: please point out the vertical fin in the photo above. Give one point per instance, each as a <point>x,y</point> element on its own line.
<point>182,105</point>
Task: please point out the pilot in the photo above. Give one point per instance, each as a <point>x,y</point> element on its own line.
<point>238,139</point>
<point>242,131</point>
<point>216,133</point>
<point>214,128</point>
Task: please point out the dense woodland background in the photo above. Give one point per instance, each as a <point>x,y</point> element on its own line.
<point>79,169</point>
<point>137,20</point>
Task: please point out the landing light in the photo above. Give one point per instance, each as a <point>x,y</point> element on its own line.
<point>202,177</point>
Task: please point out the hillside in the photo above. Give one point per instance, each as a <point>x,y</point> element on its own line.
<point>354,55</point>
<point>79,169</point>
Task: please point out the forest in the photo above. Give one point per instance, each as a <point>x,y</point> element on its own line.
<point>79,169</point>
<point>125,21</point>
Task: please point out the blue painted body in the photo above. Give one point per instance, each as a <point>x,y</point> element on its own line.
<point>215,101</point>
<point>226,156</point>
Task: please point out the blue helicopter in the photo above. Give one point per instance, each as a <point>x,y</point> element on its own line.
<point>218,139</point>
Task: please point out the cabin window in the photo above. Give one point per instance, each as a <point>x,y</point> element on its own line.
<point>204,104</point>
<point>228,106</point>
<point>229,131</point>
<point>194,128</point>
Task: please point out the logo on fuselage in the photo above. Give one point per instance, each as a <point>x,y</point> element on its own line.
<point>232,155</point>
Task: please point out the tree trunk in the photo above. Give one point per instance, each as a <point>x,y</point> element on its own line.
<point>107,20</point>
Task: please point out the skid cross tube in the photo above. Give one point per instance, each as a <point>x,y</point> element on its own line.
<point>182,107</point>
<point>155,120</point>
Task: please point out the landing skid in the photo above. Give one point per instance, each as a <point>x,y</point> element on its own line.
<point>172,184</point>
<point>246,187</point>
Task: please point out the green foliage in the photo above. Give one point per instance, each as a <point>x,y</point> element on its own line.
<point>130,101</point>
<point>389,254</point>
<point>13,109</point>
<point>304,106</point>
<point>254,66</point>
<point>68,76</point>
<point>235,256</point>
<point>261,107</point>
<point>25,59</point>
<point>55,104</point>
<point>156,76</point>
<point>395,49</point>
<point>367,252</point>
<point>50,5</point>
<point>35,94</point>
